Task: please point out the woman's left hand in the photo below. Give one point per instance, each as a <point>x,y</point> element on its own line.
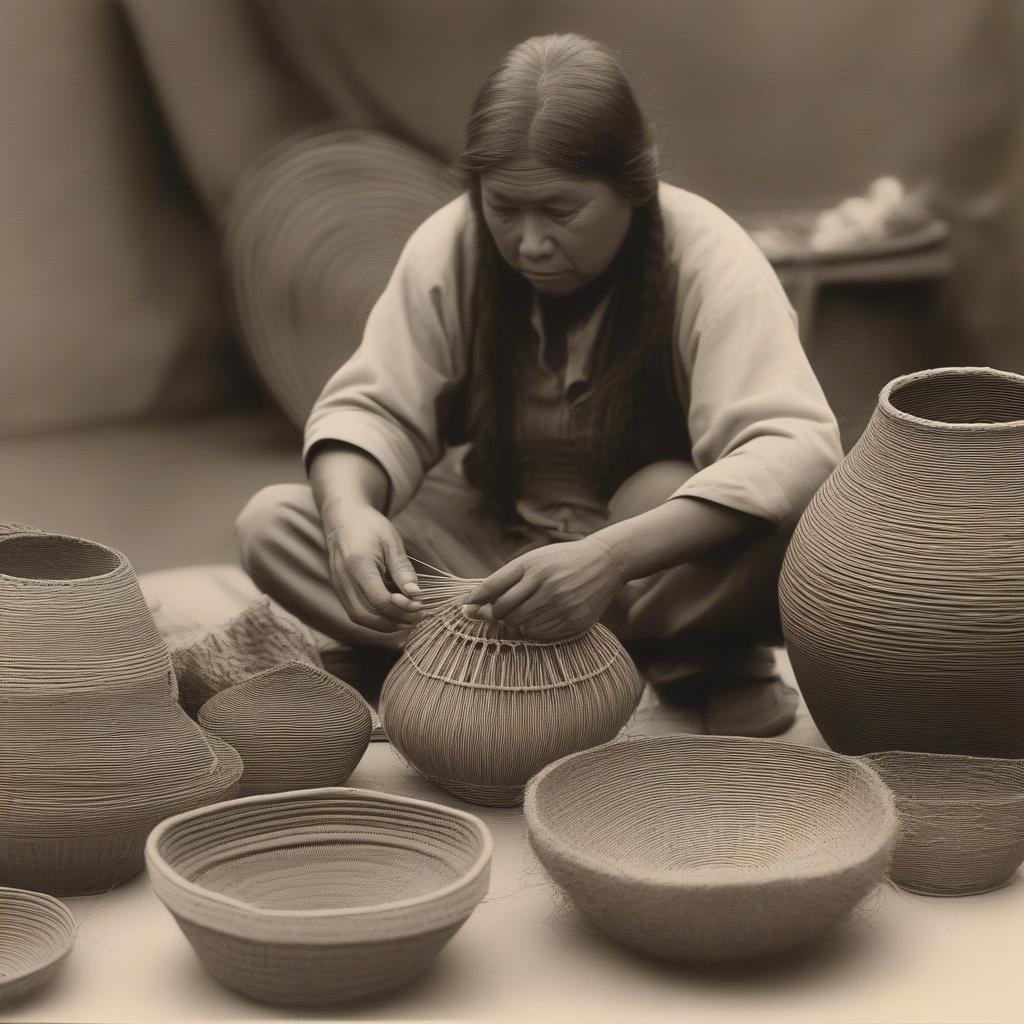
<point>551,592</point>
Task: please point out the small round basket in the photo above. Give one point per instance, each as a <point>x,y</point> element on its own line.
<point>319,896</point>
<point>36,936</point>
<point>478,712</point>
<point>295,726</point>
<point>712,848</point>
<point>961,820</point>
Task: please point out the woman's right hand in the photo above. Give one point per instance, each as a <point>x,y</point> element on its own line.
<point>365,554</point>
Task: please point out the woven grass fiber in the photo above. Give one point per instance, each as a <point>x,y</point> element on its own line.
<point>314,233</point>
<point>295,726</point>
<point>320,896</point>
<point>478,712</point>
<point>72,613</point>
<point>712,848</point>
<point>261,637</point>
<point>902,592</point>
<point>94,748</point>
<point>37,934</point>
<point>961,820</point>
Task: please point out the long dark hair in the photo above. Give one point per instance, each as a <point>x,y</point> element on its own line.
<point>565,100</point>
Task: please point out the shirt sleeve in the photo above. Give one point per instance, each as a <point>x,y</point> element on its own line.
<point>385,399</point>
<point>764,438</point>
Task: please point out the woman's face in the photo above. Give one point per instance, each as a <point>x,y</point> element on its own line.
<point>558,230</point>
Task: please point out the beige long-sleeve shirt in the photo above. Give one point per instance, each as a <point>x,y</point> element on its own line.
<point>763,436</point>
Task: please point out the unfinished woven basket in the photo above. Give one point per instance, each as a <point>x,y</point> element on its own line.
<point>712,848</point>
<point>902,592</point>
<point>260,637</point>
<point>315,231</point>
<point>319,896</point>
<point>37,934</point>
<point>478,712</point>
<point>961,820</point>
<point>295,726</point>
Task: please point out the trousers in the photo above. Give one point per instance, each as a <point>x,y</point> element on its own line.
<point>703,609</point>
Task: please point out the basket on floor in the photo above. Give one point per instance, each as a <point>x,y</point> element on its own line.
<point>94,748</point>
<point>479,712</point>
<point>712,848</point>
<point>295,726</point>
<point>961,820</point>
<point>319,896</point>
<point>260,637</point>
<point>37,934</point>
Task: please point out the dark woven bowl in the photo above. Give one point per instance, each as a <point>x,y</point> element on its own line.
<point>961,820</point>
<point>36,936</point>
<point>322,895</point>
<point>712,848</point>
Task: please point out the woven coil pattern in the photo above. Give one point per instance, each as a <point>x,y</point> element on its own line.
<point>478,712</point>
<point>315,231</point>
<point>712,848</point>
<point>902,592</point>
<point>95,748</point>
<point>961,820</point>
<point>261,637</point>
<point>37,934</point>
<point>322,895</point>
<point>72,612</point>
<point>295,726</point>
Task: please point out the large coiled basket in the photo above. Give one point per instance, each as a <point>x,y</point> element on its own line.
<point>94,748</point>
<point>319,896</point>
<point>902,592</point>
<point>712,848</point>
<point>478,713</point>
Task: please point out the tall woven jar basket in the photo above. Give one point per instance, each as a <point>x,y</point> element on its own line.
<point>479,713</point>
<point>902,592</point>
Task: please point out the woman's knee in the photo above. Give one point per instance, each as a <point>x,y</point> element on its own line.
<point>648,487</point>
<point>266,516</point>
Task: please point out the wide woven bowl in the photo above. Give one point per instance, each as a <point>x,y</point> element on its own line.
<point>961,820</point>
<point>86,839</point>
<point>36,936</point>
<point>295,726</point>
<point>712,848</point>
<point>319,896</point>
<point>315,230</point>
<point>478,713</point>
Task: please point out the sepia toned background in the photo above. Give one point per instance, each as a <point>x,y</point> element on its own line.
<point>126,397</point>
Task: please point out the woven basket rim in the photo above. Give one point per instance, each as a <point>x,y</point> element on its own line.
<point>57,911</point>
<point>623,871</point>
<point>157,862</point>
<point>121,559</point>
<point>886,406</point>
<point>967,760</point>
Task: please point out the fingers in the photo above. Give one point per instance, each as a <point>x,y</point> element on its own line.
<point>488,590</point>
<point>403,576</point>
<point>361,588</point>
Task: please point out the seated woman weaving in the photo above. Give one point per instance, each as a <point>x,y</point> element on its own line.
<point>581,384</point>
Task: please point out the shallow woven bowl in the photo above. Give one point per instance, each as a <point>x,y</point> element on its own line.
<point>712,848</point>
<point>322,895</point>
<point>296,727</point>
<point>87,841</point>
<point>36,936</point>
<point>961,820</point>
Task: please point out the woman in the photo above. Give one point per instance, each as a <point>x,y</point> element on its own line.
<point>581,385</point>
